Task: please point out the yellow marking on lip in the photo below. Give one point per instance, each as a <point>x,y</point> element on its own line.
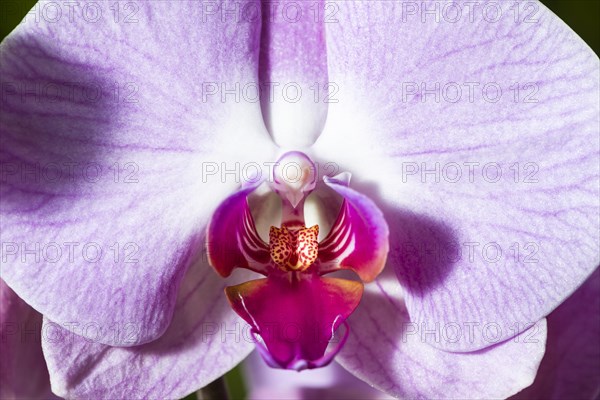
<point>294,249</point>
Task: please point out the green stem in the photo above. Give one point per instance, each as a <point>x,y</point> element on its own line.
<point>216,390</point>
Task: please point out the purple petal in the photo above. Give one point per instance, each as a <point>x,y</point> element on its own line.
<point>295,318</point>
<point>470,245</point>
<point>23,372</point>
<point>570,368</point>
<point>106,127</point>
<point>358,240</point>
<point>390,352</point>
<point>232,240</point>
<point>293,71</point>
<point>205,340</point>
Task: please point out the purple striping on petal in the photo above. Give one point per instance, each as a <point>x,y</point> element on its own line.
<point>358,239</point>
<point>188,356</point>
<point>412,144</point>
<point>232,240</point>
<point>164,131</point>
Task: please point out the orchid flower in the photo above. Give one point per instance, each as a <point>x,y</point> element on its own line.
<point>472,214</point>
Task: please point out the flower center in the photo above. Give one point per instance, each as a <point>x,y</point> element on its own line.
<point>294,248</point>
<point>294,291</point>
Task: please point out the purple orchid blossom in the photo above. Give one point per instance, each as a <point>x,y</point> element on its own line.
<point>110,251</point>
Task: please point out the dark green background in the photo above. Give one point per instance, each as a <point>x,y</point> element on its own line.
<point>581,15</point>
